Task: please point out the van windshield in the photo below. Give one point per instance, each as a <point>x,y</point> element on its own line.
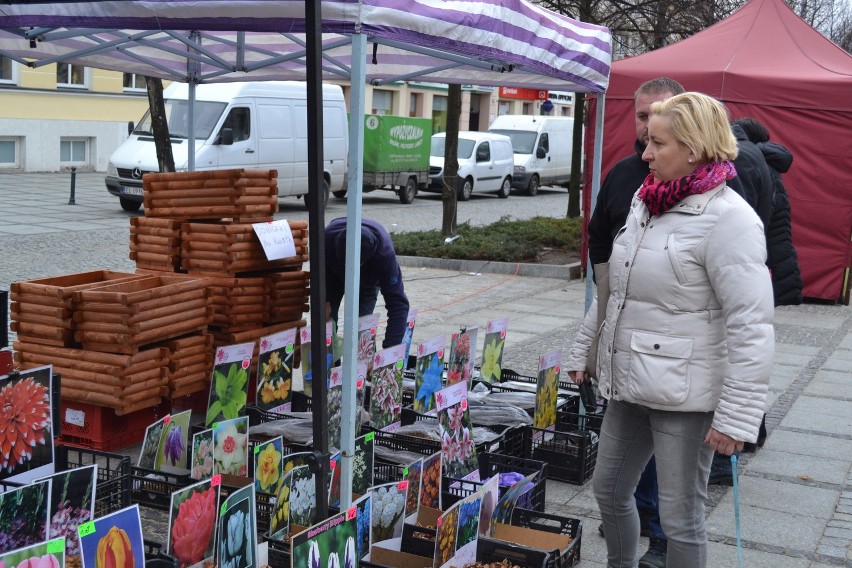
<point>177,113</point>
<point>465,147</point>
<point>523,141</point>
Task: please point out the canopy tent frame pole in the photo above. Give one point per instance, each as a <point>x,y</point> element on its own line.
<point>192,73</point>
<point>350,409</point>
<point>597,158</point>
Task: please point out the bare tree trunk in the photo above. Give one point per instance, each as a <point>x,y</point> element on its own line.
<point>451,161</point>
<point>160,126</point>
<point>576,156</point>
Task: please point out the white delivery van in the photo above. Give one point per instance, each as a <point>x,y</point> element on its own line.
<point>485,164</point>
<point>253,125</point>
<point>542,147</point>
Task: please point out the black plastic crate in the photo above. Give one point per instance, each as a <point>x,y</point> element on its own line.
<point>156,558</point>
<point>570,421</point>
<point>453,490</point>
<point>495,550</point>
<point>511,375</point>
<point>113,484</point>
<point>386,472</point>
<point>497,445</point>
<point>570,456</point>
<point>152,488</point>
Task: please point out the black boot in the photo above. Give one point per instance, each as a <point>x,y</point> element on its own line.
<point>656,555</point>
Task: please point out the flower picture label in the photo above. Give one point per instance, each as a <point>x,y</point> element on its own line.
<point>492,350</point>
<point>269,466</point>
<point>238,529</point>
<point>116,535</point>
<point>193,517</point>
<point>230,447</point>
<point>386,393</point>
<point>409,331</point>
<point>546,392</point>
<point>456,431</point>
<point>229,384</point>
<point>429,370</point>
<point>462,355</point>
<point>201,462</point>
<point>26,420</point>
<point>71,503</point>
<point>307,357</point>
<point>331,543</point>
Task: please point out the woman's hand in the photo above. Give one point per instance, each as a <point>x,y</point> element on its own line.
<point>579,377</point>
<point>722,443</point>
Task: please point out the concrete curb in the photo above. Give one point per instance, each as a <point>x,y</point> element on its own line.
<point>561,271</point>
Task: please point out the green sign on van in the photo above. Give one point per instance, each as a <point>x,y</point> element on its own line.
<point>396,143</point>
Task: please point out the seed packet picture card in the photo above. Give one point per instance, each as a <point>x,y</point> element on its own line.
<point>456,431</point>
<point>334,405</point>
<point>72,503</point>
<point>413,474</point>
<point>307,357</point>
<point>48,554</point>
<point>462,354</point>
<point>409,333</point>
<point>24,515</point>
<point>467,532</point>
<point>367,326</point>
<point>445,536</point>
<point>429,372</point>
<point>228,395</point>
<point>26,420</point>
<point>490,493</point>
<point>387,515</point>
<point>201,462</point>
<point>492,350</point>
<point>386,388</point>
<point>430,482</point>
<point>363,507</point>
<point>295,502</point>
<point>509,500</point>
<point>172,454</point>
<point>151,443</point>
<point>275,371</point>
<point>192,523</point>
<point>230,447</point>
<point>269,466</point>
<point>546,389</point>
<point>238,530</point>
<point>330,543</point>
<point>113,540</point>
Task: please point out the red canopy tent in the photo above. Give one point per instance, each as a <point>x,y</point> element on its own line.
<point>765,62</point>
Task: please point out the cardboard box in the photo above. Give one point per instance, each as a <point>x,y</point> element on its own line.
<point>389,558</point>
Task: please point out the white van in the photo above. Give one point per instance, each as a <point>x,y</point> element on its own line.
<point>542,147</point>
<point>253,125</point>
<point>485,164</point>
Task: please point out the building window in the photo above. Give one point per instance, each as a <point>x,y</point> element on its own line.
<point>134,82</point>
<point>73,151</point>
<point>69,75</point>
<point>8,153</point>
<point>382,102</point>
<point>439,113</point>
<point>503,107</point>
<point>415,104</point>
<point>526,108</point>
<point>7,70</point>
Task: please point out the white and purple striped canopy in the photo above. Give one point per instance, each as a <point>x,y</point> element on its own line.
<point>482,42</point>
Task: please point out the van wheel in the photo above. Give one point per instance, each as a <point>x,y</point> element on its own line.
<point>505,189</point>
<point>325,191</point>
<point>339,194</point>
<point>464,189</point>
<point>129,204</point>
<point>408,191</point>
<point>532,188</point>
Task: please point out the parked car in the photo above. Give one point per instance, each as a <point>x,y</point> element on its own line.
<point>486,164</point>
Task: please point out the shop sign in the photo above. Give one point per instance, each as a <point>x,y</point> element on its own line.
<point>522,94</point>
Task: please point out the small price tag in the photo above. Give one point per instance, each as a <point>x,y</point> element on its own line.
<point>216,480</point>
<point>405,472</point>
<point>399,364</point>
<point>257,449</point>
<point>246,363</point>
<point>86,529</point>
<point>351,513</point>
<point>369,436</point>
<point>402,485</point>
<point>215,425</point>
<point>223,509</point>
<point>56,546</point>
<point>167,418</point>
<point>288,349</point>
<point>439,522</point>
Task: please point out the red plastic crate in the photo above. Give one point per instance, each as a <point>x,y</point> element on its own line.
<point>102,429</point>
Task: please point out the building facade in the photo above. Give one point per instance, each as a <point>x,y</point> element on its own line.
<point>62,116</point>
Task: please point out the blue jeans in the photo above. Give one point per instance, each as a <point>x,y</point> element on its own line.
<point>648,499</point>
<point>629,436</point>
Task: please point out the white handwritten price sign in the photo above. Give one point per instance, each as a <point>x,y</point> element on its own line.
<point>276,238</point>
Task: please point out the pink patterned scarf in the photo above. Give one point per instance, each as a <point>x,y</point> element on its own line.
<point>660,196</point>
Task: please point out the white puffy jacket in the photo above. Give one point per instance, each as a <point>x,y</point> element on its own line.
<point>689,323</point>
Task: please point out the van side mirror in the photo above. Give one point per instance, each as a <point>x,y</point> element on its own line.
<point>226,137</point>
<point>130,127</point>
<point>540,153</point>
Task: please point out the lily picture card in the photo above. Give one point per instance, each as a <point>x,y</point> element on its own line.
<point>193,519</point>
<point>547,386</point>
<point>238,530</point>
<point>275,371</point>
<point>409,332</point>
<point>429,372</point>
<point>462,355</point>
<point>49,554</point>
<point>307,362</point>
<point>228,387</point>
<point>201,462</point>
<point>367,327</point>
<point>456,431</point>
<point>492,351</point>
<point>109,540</point>
<point>72,503</point>
<point>386,390</point>
<point>330,543</point>
<point>26,425</point>
<point>269,465</point>
<point>230,447</point>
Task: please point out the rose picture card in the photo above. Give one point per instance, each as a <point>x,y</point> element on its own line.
<point>307,357</point>
<point>492,350</point>
<point>193,518</point>
<point>456,431</point>
<point>547,387</point>
<point>275,371</point>
<point>47,554</point>
<point>230,447</point>
<point>238,530</point>
<point>462,355</point>
<point>26,425</point>
<point>386,388</point>
<point>229,385</point>
<point>429,371</point>
<point>113,540</point>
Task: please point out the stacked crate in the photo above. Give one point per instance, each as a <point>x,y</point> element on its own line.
<point>189,364</point>
<point>155,243</point>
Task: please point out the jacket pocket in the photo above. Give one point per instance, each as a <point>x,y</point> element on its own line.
<point>659,368</point>
<point>677,268</point>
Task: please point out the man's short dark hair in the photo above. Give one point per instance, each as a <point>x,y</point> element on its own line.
<point>658,86</point>
<point>754,130</point>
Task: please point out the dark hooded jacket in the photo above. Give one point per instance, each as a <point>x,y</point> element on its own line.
<point>754,175</point>
<point>781,254</point>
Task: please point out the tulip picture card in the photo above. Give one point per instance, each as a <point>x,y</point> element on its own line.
<point>26,425</point>
<point>172,453</point>
<point>295,502</point>
<point>228,387</point>
<point>307,358</point>
<point>72,503</point>
<point>201,462</point>
<point>275,371</point>
<point>193,517</point>
<point>429,372</point>
<point>330,543</point>
<point>230,447</point>
<point>386,388</point>
<point>238,530</point>
<point>462,355</point>
<point>492,351</point>
<point>269,465</point>
<point>113,540</point>
<point>547,387</point>
<point>47,554</point>
<point>25,514</point>
<point>456,431</point>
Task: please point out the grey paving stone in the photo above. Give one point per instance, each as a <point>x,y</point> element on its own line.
<point>760,525</point>
<point>819,414</point>
<point>785,464</point>
<point>725,555</point>
<point>797,443</point>
<point>785,497</point>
